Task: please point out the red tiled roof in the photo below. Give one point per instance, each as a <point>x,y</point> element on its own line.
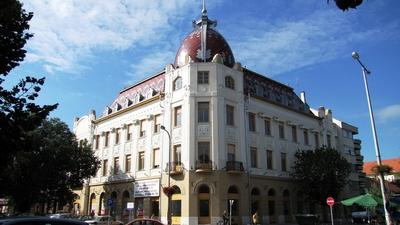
<point>394,163</point>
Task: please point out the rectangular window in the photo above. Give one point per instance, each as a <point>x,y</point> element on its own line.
<point>106,138</point>
<point>116,165</point>
<point>156,158</point>
<point>230,115</point>
<point>328,140</point>
<point>117,134</point>
<point>142,128</point>
<point>202,77</point>
<point>231,153</point>
<point>203,111</point>
<point>269,160</point>
<point>281,130</point>
<point>157,123</point>
<point>129,132</point>
<point>204,152</point>
<point>252,122</point>
<point>283,161</point>
<point>177,154</point>
<point>294,133</point>
<point>96,141</point>
<point>267,126</point>
<point>316,137</point>
<point>177,116</point>
<point>128,163</point>
<point>305,132</point>
<point>105,167</point>
<point>253,157</point>
<point>141,161</point>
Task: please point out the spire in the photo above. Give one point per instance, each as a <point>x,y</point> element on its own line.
<point>204,19</point>
<point>204,11</point>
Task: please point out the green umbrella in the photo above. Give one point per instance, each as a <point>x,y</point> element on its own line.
<point>366,200</point>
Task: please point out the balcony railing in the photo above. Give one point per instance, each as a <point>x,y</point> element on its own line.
<point>176,167</point>
<point>204,166</point>
<point>234,167</point>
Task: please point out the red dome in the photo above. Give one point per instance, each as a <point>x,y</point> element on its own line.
<point>215,43</point>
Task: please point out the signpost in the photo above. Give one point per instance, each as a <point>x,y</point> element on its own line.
<point>330,201</point>
<point>130,206</point>
<point>230,211</point>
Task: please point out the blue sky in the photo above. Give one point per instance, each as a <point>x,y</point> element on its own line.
<point>89,50</point>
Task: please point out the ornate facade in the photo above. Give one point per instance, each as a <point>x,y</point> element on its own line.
<point>228,134</point>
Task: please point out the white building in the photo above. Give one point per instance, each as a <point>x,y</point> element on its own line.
<point>233,135</point>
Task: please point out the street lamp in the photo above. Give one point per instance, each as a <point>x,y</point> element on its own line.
<point>169,176</point>
<point>365,72</point>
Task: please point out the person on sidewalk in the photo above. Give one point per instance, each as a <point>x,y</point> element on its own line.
<point>255,218</point>
<point>225,217</point>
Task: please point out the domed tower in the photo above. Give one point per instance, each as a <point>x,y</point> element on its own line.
<point>204,43</point>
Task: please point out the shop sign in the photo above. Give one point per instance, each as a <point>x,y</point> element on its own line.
<point>147,188</point>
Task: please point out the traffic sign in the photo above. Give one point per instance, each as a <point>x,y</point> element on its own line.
<point>330,201</point>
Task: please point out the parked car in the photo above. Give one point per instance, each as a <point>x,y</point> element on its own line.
<point>103,220</point>
<point>145,222</point>
<point>38,221</point>
<point>60,215</point>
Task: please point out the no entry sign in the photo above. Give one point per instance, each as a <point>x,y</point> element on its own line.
<point>330,201</point>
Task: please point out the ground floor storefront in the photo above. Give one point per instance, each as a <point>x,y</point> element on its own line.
<point>198,198</point>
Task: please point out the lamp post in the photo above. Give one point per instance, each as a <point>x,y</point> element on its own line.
<point>169,176</point>
<point>365,72</point>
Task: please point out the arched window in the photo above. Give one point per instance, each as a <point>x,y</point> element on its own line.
<point>229,82</point>
<point>204,204</point>
<point>300,207</point>
<point>271,206</point>
<point>102,204</point>
<point>92,204</point>
<point>113,208</point>
<point>286,205</point>
<point>125,200</point>
<point>255,201</point>
<point>177,84</point>
<point>176,204</point>
<point>233,194</point>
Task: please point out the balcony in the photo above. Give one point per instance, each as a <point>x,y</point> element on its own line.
<point>176,168</point>
<point>203,166</point>
<point>234,167</point>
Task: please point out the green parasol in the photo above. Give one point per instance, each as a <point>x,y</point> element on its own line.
<point>366,200</point>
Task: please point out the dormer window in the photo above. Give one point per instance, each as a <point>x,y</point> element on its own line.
<point>128,102</point>
<point>117,107</point>
<point>177,83</point>
<point>229,82</point>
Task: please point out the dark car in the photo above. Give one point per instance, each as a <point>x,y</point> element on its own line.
<point>145,222</point>
<point>38,221</point>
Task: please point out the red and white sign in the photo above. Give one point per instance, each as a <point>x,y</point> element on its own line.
<point>330,201</point>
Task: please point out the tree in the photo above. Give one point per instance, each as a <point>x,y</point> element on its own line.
<point>320,173</point>
<point>18,112</point>
<point>54,166</point>
<point>346,4</point>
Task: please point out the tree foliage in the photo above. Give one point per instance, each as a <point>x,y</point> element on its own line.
<point>55,164</point>
<point>18,113</point>
<point>320,173</point>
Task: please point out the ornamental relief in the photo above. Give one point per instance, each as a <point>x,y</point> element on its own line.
<point>203,130</point>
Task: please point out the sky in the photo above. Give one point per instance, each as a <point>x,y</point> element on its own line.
<point>90,50</point>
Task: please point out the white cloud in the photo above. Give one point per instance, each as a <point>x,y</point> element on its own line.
<point>391,112</point>
<point>67,33</point>
<point>291,44</point>
<point>149,65</point>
